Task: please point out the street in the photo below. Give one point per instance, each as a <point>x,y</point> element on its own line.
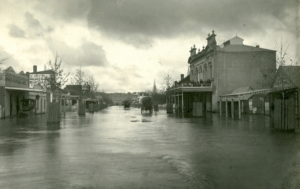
<point>117,148</point>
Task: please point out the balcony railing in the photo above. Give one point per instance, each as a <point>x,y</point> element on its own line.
<point>207,83</point>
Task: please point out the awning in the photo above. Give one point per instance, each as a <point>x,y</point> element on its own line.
<point>245,95</point>
<point>24,89</point>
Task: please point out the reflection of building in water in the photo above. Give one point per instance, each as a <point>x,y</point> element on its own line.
<point>16,97</point>
<point>217,70</point>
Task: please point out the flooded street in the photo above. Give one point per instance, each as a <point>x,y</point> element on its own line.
<point>117,148</point>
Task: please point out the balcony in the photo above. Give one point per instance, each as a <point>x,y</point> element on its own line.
<point>202,86</point>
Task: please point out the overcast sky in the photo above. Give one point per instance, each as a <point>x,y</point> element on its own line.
<point>127,44</point>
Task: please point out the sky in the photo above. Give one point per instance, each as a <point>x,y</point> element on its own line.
<point>128,44</point>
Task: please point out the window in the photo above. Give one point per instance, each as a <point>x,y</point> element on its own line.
<point>210,70</point>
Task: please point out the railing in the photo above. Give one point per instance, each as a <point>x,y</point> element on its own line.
<point>194,84</point>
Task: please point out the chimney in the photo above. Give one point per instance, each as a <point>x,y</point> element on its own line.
<point>181,76</point>
<point>34,69</point>
<point>193,51</point>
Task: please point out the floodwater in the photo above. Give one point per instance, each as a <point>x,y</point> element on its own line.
<point>118,148</point>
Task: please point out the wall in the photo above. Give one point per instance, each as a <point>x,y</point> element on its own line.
<point>240,69</point>
<point>2,101</point>
<point>39,79</point>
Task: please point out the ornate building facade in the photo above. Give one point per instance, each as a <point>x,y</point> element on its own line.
<point>216,70</point>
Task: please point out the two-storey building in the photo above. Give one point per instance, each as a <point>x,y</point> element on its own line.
<point>216,70</point>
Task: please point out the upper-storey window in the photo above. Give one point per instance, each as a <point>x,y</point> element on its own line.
<point>210,70</point>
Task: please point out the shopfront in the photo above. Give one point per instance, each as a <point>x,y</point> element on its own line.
<point>16,98</point>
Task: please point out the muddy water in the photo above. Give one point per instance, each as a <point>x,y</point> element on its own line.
<point>118,148</point>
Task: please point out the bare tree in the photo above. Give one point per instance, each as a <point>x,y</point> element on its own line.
<point>167,82</point>
<point>79,77</point>
<point>281,55</point>
<point>60,77</point>
<point>93,84</point>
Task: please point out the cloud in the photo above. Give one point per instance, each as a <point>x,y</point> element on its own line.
<point>66,9</point>
<point>85,55</point>
<point>32,21</point>
<point>121,41</point>
<point>139,22</point>
<point>7,59</point>
<point>34,27</point>
<point>136,19</point>
<point>16,31</point>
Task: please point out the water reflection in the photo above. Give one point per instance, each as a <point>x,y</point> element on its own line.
<point>124,149</point>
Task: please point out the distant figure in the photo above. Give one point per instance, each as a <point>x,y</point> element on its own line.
<point>146,105</point>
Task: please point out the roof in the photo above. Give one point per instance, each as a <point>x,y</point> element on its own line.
<point>44,72</point>
<point>24,89</point>
<point>73,89</point>
<point>242,48</point>
<point>292,73</point>
<point>234,44</point>
<point>242,90</point>
<point>243,94</point>
<point>234,41</point>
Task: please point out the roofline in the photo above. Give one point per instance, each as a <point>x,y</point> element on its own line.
<point>258,49</point>
<point>41,72</point>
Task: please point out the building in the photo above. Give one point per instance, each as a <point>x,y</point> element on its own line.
<point>217,70</point>
<point>285,98</point>
<point>41,78</point>
<point>16,98</point>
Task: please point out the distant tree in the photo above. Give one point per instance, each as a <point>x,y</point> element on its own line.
<point>3,60</point>
<point>60,77</point>
<point>79,77</point>
<point>93,84</point>
<point>167,82</point>
<point>281,55</point>
<point>106,98</point>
